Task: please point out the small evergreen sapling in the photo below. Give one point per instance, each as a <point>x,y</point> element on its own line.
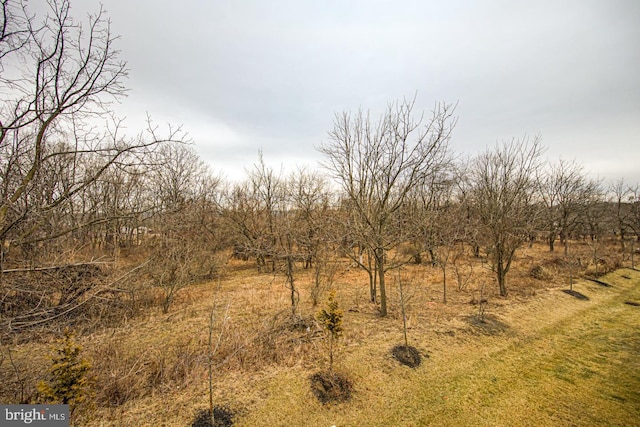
<point>330,318</point>
<point>329,386</point>
<point>69,381</point>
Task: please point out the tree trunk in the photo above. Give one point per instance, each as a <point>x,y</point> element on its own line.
<point>3,242</point>
<point>434,259</point>
<point>502,283</point>
<point>331,354</point>
<point>444,285</point>
<point>292,287</point>
<point>404,313</point>
<point>501,273</point>
<point>373,278</point>
<point>379,259</point>
<point>372,285</point>
<point>476,250</point>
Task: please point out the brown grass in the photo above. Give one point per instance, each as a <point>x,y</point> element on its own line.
<point>540,352</point>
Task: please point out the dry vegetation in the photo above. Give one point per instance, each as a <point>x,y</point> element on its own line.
<point>183,295</point>
<point>152,369</point>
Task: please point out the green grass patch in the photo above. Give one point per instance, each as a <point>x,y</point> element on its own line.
<point>582,370</point>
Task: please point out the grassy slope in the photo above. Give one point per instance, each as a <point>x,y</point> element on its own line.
<point>562,362</point>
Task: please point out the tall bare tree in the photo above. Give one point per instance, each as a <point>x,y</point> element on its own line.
<point>620,195</point>
<point>378,164</point>
<point>252,209</point>
<point>594,220</point>
<point>65,160</point>
<point>634,216</point>
<point>268,218</point>
<point>58,135</point>
<point>503,184</point>
<point>184,222</point>
<point>564,190</point>
<point>15,27</point>
<point>634,219</point>
<point>316,239</point>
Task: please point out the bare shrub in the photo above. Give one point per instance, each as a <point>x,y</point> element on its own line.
<point>463,269</point>
<point>123,375</point>
<point>555,261</point>
<point>178,259</point>
<point>118,375</point>
<point>539,272</point>
<point>410,251</point>
<point>19,376</point>
<point>278,340</point>
<point>324,272</point>
<point>84,296</point>
<point>599,267</point>
<point>173,365</point>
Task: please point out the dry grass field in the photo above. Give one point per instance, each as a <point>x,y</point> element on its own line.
<point>541,357</point>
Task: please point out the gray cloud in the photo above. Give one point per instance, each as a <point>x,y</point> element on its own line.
<point>251,75</point>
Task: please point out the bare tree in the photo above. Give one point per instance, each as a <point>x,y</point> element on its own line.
<point>634,218</point>
<point>311,206</point>
<point>592,222</point>
<point>185,243</point>
<point>15,28</point>
<point>634,200</point>
<point>59,78</point>
<point>563,190</point>
<point>379,164</point>
<point>463,195</point>
<point>503,199</point>
<point>268,191</point>
<point>67,168</point>
<point>262,212</point>
<point>447,234</point>
<point>177,176</point>
<point>620,196</point>
<point>347,224</point>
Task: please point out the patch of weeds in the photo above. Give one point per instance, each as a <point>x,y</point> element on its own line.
<point>223,417</point>
<point>301,324</point>
<point>328,386</point>
<point>407,355</point>
<point>538,272</point>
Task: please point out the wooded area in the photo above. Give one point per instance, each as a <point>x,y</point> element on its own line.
<point>101,229</point>
<point>92,220</point>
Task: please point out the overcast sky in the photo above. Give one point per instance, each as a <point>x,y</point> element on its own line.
<point>248,75</point>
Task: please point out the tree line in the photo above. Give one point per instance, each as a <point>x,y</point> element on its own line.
<point>76,190</point>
